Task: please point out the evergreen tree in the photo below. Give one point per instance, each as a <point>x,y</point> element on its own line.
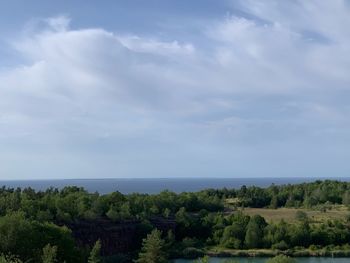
<point>95,254</point>
<point>49,254</point>
<point>153,249</point>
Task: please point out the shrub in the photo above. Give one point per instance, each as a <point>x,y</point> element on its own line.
<point>280,245</point>
<point>281,259</point>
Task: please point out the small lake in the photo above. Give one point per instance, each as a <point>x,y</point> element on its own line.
<point>263,260</point>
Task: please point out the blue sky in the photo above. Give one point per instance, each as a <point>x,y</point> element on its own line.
<point>174,89</point>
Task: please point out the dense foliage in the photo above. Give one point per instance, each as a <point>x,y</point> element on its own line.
<point>32,223</point>
<point>291,195</point>
<point>153,249</point>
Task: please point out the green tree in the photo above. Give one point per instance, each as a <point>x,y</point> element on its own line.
<point>49,254</point>
<point>276,235</point>
<point>232,236</point>
<point>95,253</point>
<point>153,249</point>
<point>300,234</point>
<point>166,212</point>
<point>113,214</point>
<point>255,232</point>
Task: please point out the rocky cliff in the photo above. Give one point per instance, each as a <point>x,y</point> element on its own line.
<point>116,237</point>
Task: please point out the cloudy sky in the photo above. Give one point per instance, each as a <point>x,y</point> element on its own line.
<point>182,88</point>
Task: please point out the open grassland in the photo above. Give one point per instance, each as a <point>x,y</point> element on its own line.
<point>289,214</point>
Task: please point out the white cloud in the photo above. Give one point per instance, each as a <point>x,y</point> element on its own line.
<point>59,23</point>
<point>152,46</point>
<point>277,75</point>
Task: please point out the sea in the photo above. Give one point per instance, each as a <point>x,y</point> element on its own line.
<point>156,185</point>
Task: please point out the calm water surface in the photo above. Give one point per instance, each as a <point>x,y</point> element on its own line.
<point>156,185</point>
<point>263,260</point>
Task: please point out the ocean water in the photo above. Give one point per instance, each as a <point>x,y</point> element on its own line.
<point>156,185</point>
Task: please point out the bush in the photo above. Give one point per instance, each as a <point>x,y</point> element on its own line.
<point>313,247</point>
<point>232,243</point>
<point>280,245</point>
<point>281,259</point>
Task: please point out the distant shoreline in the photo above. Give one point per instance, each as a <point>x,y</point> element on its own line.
<point>156,185</point>
<point>179,178</point>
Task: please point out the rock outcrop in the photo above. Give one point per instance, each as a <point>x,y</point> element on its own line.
<point>116,237</point>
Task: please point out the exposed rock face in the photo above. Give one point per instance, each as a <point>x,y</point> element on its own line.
<point>164,224</point>
<point>115,237</point>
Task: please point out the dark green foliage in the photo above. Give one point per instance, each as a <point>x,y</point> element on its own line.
<point>282,245</point>
<point>95,254</point>
<point>306,194</point>
<point>277,235</point>
<point>26,238</point>
<point>49,254</point>
<point>152,250</point>
<point>255,232</point>
<point>30,220</point>
<point>231,238</point>
<point>300,234</point>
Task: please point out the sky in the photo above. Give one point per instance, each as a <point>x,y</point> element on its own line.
<point>160,88</point>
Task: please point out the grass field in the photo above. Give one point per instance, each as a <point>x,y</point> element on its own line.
<point>289,214</point>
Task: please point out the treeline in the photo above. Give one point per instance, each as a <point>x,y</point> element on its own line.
<point>195,233</point>
<point>290,195</point>
<point>240,231</point>
<point>32,222</point>
<point>73,203</point>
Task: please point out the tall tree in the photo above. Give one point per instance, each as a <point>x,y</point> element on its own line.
<point>95,253</point>
<point>255,232</point>
<point>153,249</point>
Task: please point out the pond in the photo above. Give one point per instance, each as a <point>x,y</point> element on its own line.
<point>263,260</point>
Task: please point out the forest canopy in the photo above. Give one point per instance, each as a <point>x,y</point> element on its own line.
<point>36,224</point>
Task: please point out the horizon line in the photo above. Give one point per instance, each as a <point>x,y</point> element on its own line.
<point>185,178</point>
